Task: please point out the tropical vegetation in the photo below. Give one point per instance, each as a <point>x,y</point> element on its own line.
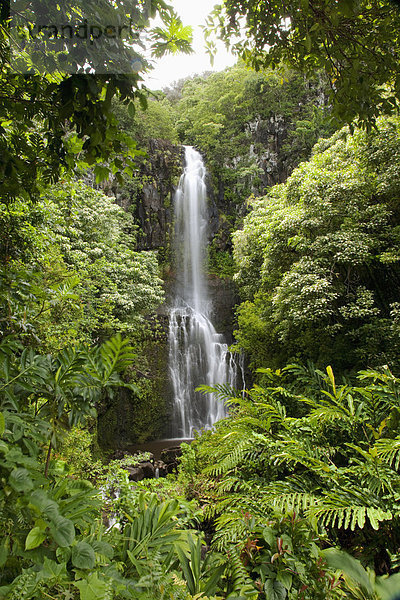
<point>317,258</point>
<point>295,494</point>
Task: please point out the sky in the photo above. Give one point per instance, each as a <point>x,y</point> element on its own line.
<point>171,68</point>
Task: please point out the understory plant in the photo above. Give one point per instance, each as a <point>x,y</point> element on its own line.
<point>57,540</point>
<point>302,464</point>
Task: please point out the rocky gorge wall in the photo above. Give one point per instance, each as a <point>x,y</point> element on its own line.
<point>259,142</point>
<point>149,196</point>
<point>132,418</point>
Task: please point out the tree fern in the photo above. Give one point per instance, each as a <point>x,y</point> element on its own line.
<point>331,465</point>
<point>116,354</point>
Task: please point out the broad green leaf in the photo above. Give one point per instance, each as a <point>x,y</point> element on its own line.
<point>20,481</point>
<point>103,548</point>
<point>63,531</point>
<point>63,554</point>
<point>4,590</point>
<point>92,588</point>
<point>83,556</point>
<point>34,538</point>
<point>274,590</point>
<point>3,552</point>
<point>388,589</point>
<point>53,570</point>
<point>2,424</point>
<point>285,578</point>
<point>101,173</point>
<point>269,536</point>
<point>351,567</point>
<point>47,507</point>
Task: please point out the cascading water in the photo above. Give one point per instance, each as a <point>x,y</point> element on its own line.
<point>197,353</point>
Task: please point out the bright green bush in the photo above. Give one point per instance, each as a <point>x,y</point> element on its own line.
<point>318,258</point>
<point>97,239</point>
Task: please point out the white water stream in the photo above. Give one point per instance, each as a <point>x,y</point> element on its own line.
<point>197,353</point>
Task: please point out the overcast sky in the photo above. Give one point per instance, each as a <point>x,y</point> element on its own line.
<point>172,68</point>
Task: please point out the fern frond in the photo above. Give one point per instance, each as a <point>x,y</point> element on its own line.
<point>296,501</point>
<point>272,412</point>
<point>232,460</point>
<point>329,415</point>
<point>240,583</point>
<point>231,484</point>
<point>230,529</point>
<point>116,355</point>
<point>221,391</point>
<point>351,516</point>
<point>388,450</point>
<point>296,452</point>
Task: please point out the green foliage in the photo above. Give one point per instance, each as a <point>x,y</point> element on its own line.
<point>220,263</point>
<point>64,388</point>
<point>71,272</point>
<point>316,253</point>
<point>36,286</point>
<point>173,38</point>
<point>253,129</point>
<point>156,122</point>
<point>97,239</point>
<point>46,120</point>
<point>240,120</point>
<point>355,43</point>
<point>54,542</point>
<point>359,582</point>
<point>76,451</point>
<point>303,455</point>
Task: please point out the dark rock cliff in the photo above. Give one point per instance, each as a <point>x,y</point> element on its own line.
<point>149,194</point>
<point>134,418</point>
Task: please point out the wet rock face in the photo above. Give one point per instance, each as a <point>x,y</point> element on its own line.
<point>154,211</point>
<point>148,470</point>
<point>145,469</point>
<point>149,196</point>
<point>170,456</point>
<point>266,137</point>
<point>135,473</point>
<point>224,298</point>
<point>161,469</point>
<point>149,193</point>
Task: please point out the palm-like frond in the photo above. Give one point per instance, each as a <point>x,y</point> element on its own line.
<point>329,465</point>
<point>222,392</point>
<point>234,458</point>
<point>348,517</point>
<point>388,450</point>
<point>298,502</point>
<point>116,355</point>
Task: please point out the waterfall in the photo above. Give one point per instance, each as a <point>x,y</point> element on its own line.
<point>197,353</point>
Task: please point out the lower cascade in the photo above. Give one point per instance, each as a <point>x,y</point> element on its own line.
<point>198,355</point>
